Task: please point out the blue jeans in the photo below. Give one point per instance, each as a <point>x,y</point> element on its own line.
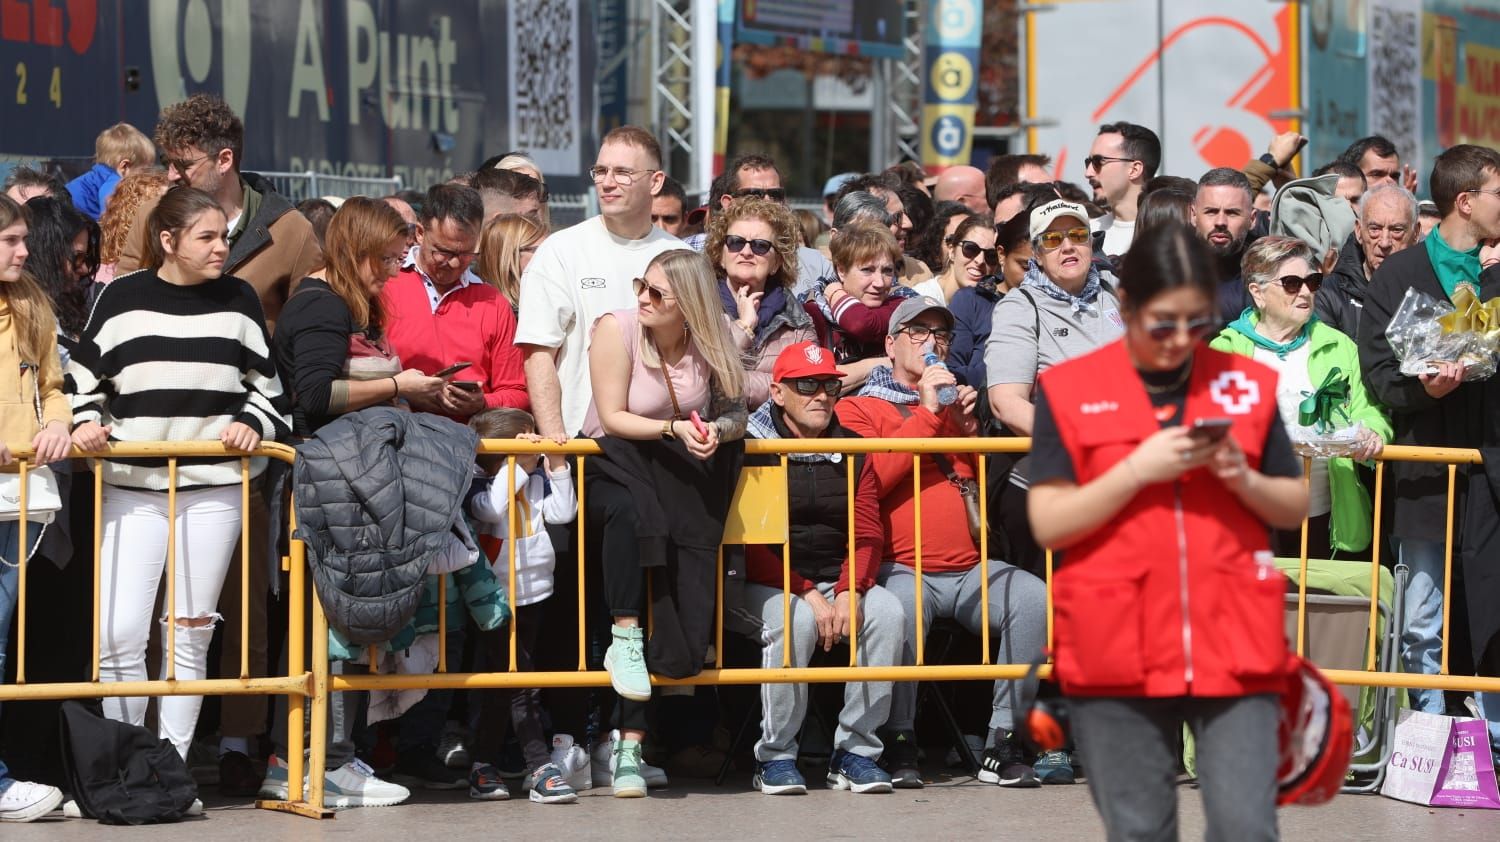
<point>10,581</point>
<point>1422,637</point>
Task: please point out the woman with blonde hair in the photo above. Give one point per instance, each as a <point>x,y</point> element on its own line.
<point>505,250</point>
<point>668,391</point>
<point>753,247</point>
<point>119,213</point>
<point>32,409</point>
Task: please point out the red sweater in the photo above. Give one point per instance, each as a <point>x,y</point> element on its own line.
<point>472,324</point>
<point>946,545</point>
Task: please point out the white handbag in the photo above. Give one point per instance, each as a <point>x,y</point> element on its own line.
<point>42,500</point>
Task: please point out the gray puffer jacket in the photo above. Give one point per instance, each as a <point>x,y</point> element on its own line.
<point>378,493</point>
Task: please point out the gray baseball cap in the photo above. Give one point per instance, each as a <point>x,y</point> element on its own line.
<point>914,307</point>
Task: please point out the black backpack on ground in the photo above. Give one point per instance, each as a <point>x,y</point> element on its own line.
<point>122,773</point>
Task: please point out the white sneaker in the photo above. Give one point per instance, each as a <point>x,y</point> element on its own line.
<point>573,761</point>
<point>71,810</point>
<point>354,785</point>
<point>24,801</point>
<point>604,765</point>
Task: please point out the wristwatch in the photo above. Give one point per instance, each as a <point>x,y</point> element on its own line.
<point>666,430</point>
<point>1270,160</point>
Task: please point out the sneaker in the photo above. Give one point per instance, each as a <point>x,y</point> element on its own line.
<point>575,763</point>
<point>1053,767</point>
<point>1004,763</point>
<point>485,783</point>
<point>354,785</point>
<point>604,765</point>
<point>423,767</point>
<point>778,777</point>
<point>626,662</point>
<point>628,782</point>
<point>275,785</point>
<point>857,774</point>
<point>71,810</point>
<point>24,801</point>
<point>237,775</point>
<point>547,785</point>
<point>451,750</point>
<point>900,760</point>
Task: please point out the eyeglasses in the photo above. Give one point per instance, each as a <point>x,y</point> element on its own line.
<point>623,176</point>
<point>922,333</point>
<point>1097,162</point>
<point>182,165</point>
<point>808,386</point>
<point>81,262</point>
<point>774,194</point>
<point>656,295</point>
<point>1294,283</point>
<point>393,259</point>
<point>736,244</point>
<point>1495,192</point>
<point>1053,240</point>
<point>448,256</point>
<point>971,250</point>
<point>1196,328</point>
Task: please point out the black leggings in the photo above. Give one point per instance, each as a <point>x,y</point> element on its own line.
<point>516,708</point>
<point>613,544</point>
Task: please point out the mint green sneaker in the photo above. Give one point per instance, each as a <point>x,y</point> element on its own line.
<point>626,662</point>
<point>628,780</point>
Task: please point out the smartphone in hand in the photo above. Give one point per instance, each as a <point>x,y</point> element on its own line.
<point>1210,430</point>
<point>452,369</point>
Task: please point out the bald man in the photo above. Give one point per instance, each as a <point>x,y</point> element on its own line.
<point>964,185</point>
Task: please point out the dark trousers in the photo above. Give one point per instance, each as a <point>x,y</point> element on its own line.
<point>519,708</point>
<point>1130,746</point>
<point>613,545</point>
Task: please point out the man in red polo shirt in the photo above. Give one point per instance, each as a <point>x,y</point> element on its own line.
<point>902,402</point>
<point>439,313</point>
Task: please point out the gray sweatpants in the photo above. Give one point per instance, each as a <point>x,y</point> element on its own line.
<point>783,706</point>
<point>1018,628</point>
<point>1130,746</point>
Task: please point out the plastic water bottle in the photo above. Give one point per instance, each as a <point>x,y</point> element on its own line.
<point>946,395</point>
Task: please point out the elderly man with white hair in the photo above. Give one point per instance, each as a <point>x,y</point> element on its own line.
<point>1387,224</point>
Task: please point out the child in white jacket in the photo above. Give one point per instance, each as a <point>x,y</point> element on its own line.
<point>544,494</point>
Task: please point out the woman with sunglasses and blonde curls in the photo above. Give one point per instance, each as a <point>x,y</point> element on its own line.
<point>753,246</point>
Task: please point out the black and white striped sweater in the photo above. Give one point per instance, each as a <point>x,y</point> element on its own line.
<point>162,362</point>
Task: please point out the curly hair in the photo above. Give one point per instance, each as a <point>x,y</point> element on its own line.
<point>784,228</point>
<point>54,226</point>
<point>203,121</point>
<point>120,210</point>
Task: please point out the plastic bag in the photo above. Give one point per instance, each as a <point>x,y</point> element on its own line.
<point>1340,442</point>
<point>1420,339</point>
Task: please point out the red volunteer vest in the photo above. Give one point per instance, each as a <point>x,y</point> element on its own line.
<point>1171,599</point>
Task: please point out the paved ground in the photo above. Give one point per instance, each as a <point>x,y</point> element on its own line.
<point>951,809</point>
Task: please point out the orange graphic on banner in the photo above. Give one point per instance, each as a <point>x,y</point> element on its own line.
<point>1478,112</point>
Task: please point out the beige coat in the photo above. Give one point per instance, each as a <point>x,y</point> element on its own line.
<point>18,424</point>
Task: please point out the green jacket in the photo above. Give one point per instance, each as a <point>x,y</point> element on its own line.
<point>1349,523</point>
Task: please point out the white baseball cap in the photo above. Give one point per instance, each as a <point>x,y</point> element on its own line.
<point>1043,216</point>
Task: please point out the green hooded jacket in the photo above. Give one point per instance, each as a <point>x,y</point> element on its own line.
<point>1349,523</point>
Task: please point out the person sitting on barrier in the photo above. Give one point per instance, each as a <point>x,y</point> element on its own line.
<point>753,245</point>
<point>543,493</point>
<point>202,336</point>
<point>907,401</point>
<point>851,313</point>
<point>1168,608</point>
<point>506,247</point>
<point>33,409</point>
<point>655,370</point>
<point>1316,363</point>
<point>830,602</point>
<point>332,349</point>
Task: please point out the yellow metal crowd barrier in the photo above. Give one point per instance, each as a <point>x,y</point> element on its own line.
<point>758,516</point>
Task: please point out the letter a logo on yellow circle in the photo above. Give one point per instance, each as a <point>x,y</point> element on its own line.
<point>952,76</point>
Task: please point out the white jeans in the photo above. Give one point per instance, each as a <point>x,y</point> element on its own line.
<point>132,560</point>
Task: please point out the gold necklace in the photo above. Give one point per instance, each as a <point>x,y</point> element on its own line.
<point>1182,378</point>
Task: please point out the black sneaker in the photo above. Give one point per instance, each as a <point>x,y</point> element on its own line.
<point>1004,763</point>
<point>422,767</point>
<point>900,759</point>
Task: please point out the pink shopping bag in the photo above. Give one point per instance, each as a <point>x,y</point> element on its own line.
<point>1467,776</point>
<point>1441,761</point>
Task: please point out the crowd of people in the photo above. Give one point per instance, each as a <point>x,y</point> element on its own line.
<point>194,303</point>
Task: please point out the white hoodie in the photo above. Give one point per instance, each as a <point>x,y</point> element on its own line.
<point>537,507</point>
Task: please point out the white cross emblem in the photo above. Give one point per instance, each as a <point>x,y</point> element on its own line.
<point>1235,392</point>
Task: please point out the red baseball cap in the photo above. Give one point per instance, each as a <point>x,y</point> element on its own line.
<point>805,359</point>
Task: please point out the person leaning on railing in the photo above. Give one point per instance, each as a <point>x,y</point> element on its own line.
<point>1316,363</point>
<point>1168,607</point>
<point>850,314</point>
<point>33,411</point>
<point>655,370</point>
<point>177,351</point>
<point>905,401</point>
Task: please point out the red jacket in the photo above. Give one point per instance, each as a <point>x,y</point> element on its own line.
<point>763,565</point>
<point>472,324</point>
<point>1176,596</point>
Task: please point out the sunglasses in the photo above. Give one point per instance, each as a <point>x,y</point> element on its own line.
<point>1196,328</point>
<point>736,244</point>
<point>808,386</point>
<point>1053,240</point>
<point>971,250</point>
<point>775,194</point>
<point>656,295</point>
<point>666,218</point>
<point>1294,284</point>
<point>1097,162</point>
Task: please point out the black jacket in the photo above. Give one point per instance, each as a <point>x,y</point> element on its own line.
<point>818,499</point>
<point>1341,299</point>
<point>1480,546</point>
<point>1456,420</point>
